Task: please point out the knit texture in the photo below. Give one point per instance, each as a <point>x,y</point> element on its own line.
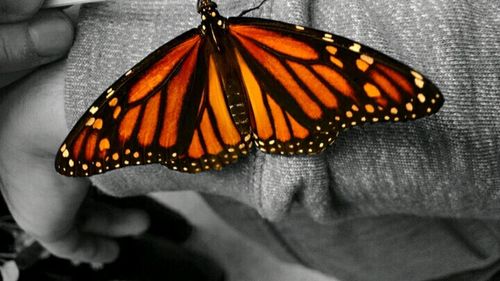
<point>446,165</point>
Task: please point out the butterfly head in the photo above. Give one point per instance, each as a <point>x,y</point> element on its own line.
<point>206,6</point>
<point>208,11</point>
<point>212,22</point>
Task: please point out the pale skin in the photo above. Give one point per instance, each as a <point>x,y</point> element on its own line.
<point>43,203</point>
<point>53,208</point>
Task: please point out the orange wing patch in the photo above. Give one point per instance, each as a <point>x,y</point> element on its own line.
<point>128,123</point>
<point>386,86</point>
<point>336,80</point>
<point>374,93</point>
<point>282,131</point>
<point>195,149</point>
<point>91,146</point>
<point>229,133</point>
<point>279,42</point>
<point>298,130</point>
<point>160,70</point>
<point>207,131</point>
<point>315,85</point>
<point>77,145</point>
<point>176,91</point>
<point>263,124</point>
<point>149,121</point>
<point>399,79</point>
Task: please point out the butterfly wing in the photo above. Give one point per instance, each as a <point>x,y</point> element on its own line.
<point>166,110</point>
<point>305,85</point>
<point>178,106</point>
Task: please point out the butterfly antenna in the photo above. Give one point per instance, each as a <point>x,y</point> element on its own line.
<point>252,9</point>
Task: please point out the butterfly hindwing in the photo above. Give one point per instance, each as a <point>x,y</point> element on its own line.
<point>306,85</point>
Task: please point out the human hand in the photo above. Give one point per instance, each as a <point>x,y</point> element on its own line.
<point>50,207</point>
<point>30,38</point>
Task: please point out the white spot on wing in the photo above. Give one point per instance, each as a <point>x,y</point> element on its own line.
<point>110,93</point>
<point>355,48</point>
<point>93,109</point>
<point>417,75</point>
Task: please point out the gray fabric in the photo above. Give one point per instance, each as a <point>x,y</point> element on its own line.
<point>443,166</point>
<point>394,247</point>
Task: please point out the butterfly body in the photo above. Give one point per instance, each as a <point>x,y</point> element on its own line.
<point>202,100</point>
<point>214,27</point>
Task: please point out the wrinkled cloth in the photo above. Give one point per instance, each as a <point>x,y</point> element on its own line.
<point>377,182</point>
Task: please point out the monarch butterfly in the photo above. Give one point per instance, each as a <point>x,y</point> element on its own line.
<point>202,100</point>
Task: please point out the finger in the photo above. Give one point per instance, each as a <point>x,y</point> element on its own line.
<point>102,219</point>
<point>164,222</point>
<point>45,38</point>
<point>82,247</point>
<point>18,10</point>
<point>8,78</point>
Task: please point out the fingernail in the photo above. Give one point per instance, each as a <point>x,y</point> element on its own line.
<point>51,33</point>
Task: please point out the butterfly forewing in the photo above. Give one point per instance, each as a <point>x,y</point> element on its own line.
<point>306,85</point>
<point>164,110</point>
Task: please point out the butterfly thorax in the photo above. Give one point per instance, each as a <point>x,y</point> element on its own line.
<point>213,25</point>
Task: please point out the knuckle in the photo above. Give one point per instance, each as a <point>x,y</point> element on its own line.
<point>18,10</point>
<point>27,45</point>
<point>60,39</point>
<point>8,52</point>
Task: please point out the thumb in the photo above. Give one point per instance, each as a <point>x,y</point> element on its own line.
<point>44,38</point>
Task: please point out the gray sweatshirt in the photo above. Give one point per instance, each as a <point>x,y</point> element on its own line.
<point>410,201</point>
